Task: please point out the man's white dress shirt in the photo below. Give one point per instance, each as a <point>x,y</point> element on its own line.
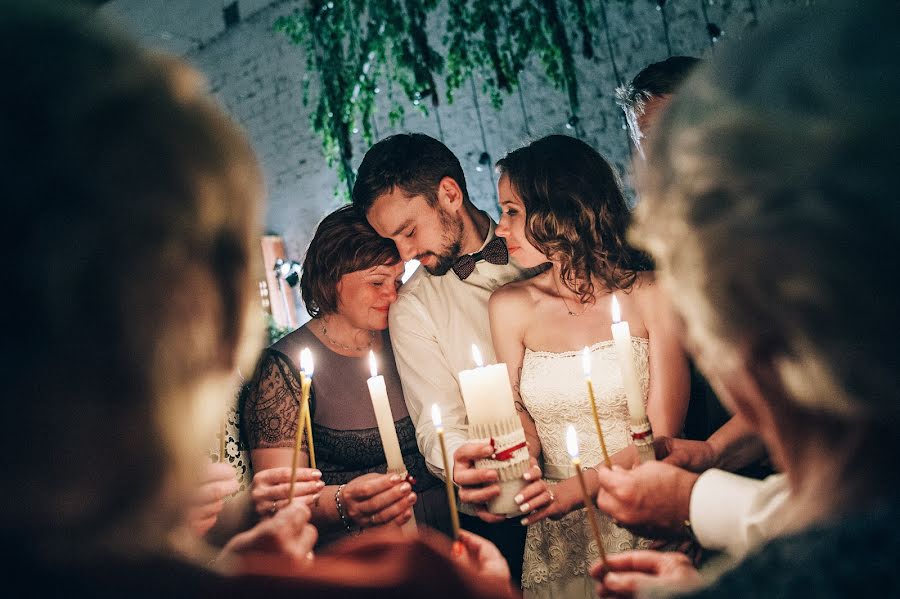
<point>736,514</point>
<point>433,325</point>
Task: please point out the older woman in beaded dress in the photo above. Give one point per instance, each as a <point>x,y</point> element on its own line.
<point>350,278</point>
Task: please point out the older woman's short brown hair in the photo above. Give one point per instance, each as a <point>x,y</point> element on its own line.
<point>344,242</point>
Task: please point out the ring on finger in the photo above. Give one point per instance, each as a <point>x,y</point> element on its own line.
<point>274,508</point>
<point>552,496</point>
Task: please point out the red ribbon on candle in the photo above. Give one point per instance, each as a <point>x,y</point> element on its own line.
<point>506,454</point>
<point>641,435</point>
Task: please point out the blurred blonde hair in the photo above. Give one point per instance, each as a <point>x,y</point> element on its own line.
<point>132,233</point>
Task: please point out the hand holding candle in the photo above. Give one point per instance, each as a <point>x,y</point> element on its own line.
<point>448,470</point>
<point>385,419</point>
<point>586,364</point>
<point>572,446</point>
<point>640,425</point>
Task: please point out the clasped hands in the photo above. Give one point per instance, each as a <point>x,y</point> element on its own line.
<point>478,486</point>
<point>368,500</point>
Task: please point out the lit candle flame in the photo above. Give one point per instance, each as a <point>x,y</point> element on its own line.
<point>586,362</point>
<point>436,416</point>
<point>616,310</point>
<point>477,356</point>
<point>373,368</point>
<point>306,362</point>
<point>572,441</point>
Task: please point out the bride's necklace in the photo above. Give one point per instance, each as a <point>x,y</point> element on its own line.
<point>565,303</point>
<point>343,346</point>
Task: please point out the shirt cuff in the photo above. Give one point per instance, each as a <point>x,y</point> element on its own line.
<point>720,502</point>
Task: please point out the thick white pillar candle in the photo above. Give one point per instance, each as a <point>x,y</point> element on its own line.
<point>622,335</point>
<point>385,419</point>
<point>486,392</point>
<point>492,414</point>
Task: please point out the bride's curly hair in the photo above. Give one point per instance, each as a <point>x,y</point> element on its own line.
<point>575,213</point>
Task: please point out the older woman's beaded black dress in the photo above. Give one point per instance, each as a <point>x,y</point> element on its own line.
<point>345,433</point>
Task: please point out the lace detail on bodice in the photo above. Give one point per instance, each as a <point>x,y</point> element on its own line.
<point>554,392</point>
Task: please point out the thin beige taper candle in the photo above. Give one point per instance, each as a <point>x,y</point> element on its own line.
<point>572,443</point>
<point>305,384</point>
<point>222,430</point>
<point>586,364</point>
<point>298,442</point>
<point>304,420</point>
<point>448,474</point>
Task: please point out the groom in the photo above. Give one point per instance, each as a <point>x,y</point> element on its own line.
<point>412,190</point>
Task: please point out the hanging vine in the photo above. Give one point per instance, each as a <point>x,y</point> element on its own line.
<point>319,29</point>
<point>584,17</point>
<point>476,44</point>
<point>354,46</point>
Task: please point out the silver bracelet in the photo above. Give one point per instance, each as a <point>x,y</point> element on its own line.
<point>340,508</point>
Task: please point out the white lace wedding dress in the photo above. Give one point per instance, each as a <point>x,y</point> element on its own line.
<point>559,553</point>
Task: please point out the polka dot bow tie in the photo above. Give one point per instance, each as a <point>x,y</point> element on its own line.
<point>494,252</point>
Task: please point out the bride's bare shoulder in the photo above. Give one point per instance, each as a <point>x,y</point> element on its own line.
<point>518,294</point>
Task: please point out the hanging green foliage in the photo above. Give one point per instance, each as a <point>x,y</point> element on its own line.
<point>584,17</point>
<point>544,33</point>
<point>320,30</point>
<point>477,43</point>
<point>353,45</point>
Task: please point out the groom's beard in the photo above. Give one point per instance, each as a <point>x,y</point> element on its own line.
<point>452,245</point>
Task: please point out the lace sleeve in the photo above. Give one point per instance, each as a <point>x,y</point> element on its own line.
<point>273,404</point>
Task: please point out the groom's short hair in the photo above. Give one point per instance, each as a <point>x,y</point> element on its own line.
<point>414,162</point>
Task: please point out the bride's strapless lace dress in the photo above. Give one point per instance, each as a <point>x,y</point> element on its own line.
<point>559,553</point>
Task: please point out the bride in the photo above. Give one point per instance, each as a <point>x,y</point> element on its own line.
<point>561,204</point>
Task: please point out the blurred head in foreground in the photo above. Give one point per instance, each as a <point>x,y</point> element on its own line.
<point>131,207</point>
<point>769,204</point>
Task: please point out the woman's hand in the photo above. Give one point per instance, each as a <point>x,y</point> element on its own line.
<point>270,488</point>
<point>625,574</point>
<point>278,546</point>
<point>207,502</point>
<point>548,501</point>
<point>378,499</point>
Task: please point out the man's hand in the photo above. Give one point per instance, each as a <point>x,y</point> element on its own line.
<point>695,456</point>
<point>207,502</point>
<point>484,557</point>
<point>624,574</point>
<point>270,488</point>
<point>278,546</point>
<point>477,486</point>
<point>652,500</point>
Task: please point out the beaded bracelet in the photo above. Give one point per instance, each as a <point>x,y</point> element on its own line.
<point>340,508</point>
